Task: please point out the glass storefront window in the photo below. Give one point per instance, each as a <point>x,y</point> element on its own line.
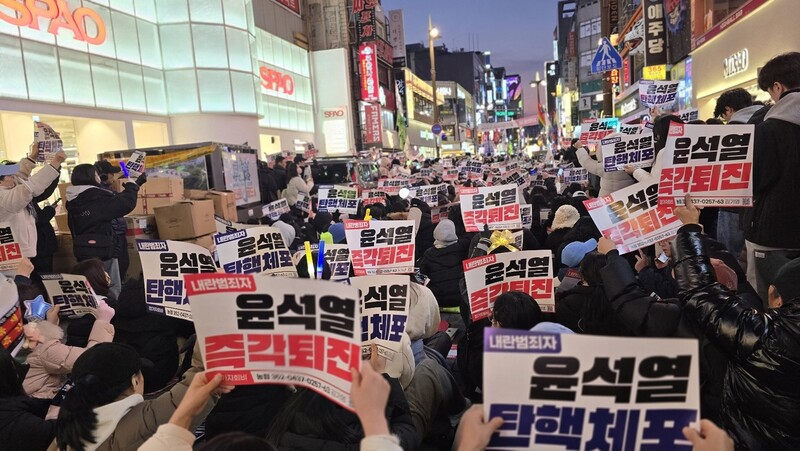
<point>215,91</point>
<point>105,77</point>
<point>209,46</point>
<point>76,77</point>
<point>155,94</point>
<point>13,84</point>
<point>236,13</point>
<point>125,37</point>
<point>209,11</point>
<point>146,9</point>
<point>125,6</point>
<point>244,87</point>
<point>130,79</point>
<point>182,88</point>
<point>41,71</point>
<point>176,46</point>
<point>149,43</point>
<point>107,48</point>
<point>239,55</point>
<point>172,11</point>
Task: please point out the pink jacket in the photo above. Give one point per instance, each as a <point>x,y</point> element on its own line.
<point>50,362</point>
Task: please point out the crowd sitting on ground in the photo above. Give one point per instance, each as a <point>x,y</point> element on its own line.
<point>126,378</point>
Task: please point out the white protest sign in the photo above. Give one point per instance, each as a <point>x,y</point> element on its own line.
<point>136,164</point>
<point>258,250</point>
<point>337,256</point>
<point>439,213</point>
<point>225,226</point>
<point>384,312</point>
<point>627,129</point>
<point>428,193</point>
<point>659,94</point>
<point>526,212</point>
<point>369,197</point>
<point>303,202</point>
<point>392,186</point>
<point>713,163</point>
<point>623,150</point>
<point>575,175</point>
<point>632,218</point>
<point>47,141</point>
<point>490,276</point>
<point>450,174</point>
<point>474,169</point>
<point>594,130</point>
<point>10,253</point>
<point>264,330</point>
<point>164,263</point>
<point>274,210</point>
<point>381,247</point>
<point>72,292</point>
<point>447,163</point>
<point>688,115</point>
<point>494,206</point>
<point>341,199</point>
<point>570,391</point>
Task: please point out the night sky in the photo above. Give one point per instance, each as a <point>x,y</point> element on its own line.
<point>519,33</point>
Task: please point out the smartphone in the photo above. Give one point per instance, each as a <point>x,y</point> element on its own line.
<point>663,257</point>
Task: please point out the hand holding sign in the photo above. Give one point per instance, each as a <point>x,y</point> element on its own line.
<point>473,432</point>
<point>689,213</point>
<point>710,437</point>
<point>370,393</point>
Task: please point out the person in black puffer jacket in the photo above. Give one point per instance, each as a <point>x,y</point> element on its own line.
<point>22,423</point>
<point>442,264</point>
<point>90,212</point>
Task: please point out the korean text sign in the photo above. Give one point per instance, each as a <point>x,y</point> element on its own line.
<point>570,391</point>
<point>164,263</point>
<point>392,186</point>
<point>594,130</point>
<point>373,197</point>
<point>495,206</point>
<point>381,247</point>
<point>658,93</point>
<point>136,164</point>
<point>384,312</point>
<point>623,150</point>
<point>225,226</point>
<point>429,193</point>
<point>303,202</point>
<point>72,292</point>
<point>490,276</point>
<point>260,250</point>
<point>632,218</point>
<point>10,253</point>
<point>262,330</point>
<point>576,175</point>
<point>338,258</point>
<point>11,334</point>
<point>274,210</point>
<point>344,200</point>
<point>712,162</point>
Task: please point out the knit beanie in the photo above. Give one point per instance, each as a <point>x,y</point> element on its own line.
<point>787,281</point>
<point>337,230</point>
<point>445,234</point>
<point>566,217</point>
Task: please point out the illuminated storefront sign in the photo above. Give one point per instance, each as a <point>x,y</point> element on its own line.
<point>736,63</point>
<point>27,14</point>
<point>272,80</point>
<point>368,61</point>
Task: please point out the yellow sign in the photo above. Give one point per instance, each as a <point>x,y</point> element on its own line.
<point>655,72</point>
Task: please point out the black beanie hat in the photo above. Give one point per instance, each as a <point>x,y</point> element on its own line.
<point>787,281</point>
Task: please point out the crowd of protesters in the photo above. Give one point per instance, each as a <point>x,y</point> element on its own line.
<point>126,378</point>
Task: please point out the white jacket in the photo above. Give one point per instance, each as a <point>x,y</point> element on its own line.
<point>295,186</point>
<point>13,203</point>
<point>654,176</point>
<point>609,181</point>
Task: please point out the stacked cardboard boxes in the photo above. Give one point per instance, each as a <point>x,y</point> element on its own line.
<point>224,201</point>
<point>188,220</point>
<point>158,192</point>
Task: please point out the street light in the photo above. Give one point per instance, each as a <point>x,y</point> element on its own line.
<point>433,33</point>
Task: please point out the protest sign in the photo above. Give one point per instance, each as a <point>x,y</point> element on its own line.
<point>164,263</point>
<point>526,213</point>
<point>136,164</point>
<point>632,218</point>
<point>259,250</point>
<point>47,141</point>
<point>493,206</point>
<point>384,312</point>
<point>450,174</point>
<point>623,150</point>
<point>474,169</point>
<point>658,93</point>
<point>274,210</point>
<point>627,129</point>
<point>447,163</point>
<point>338,258</point>
<point>713,163</point>
<point>439,213</point>
<point>426,173</point>
<point>259,330</point>
<point>10,253</point>
<point>691,114</point>
<point>11,336</point>
<point>72,292</point>
<point>519,178</point>
<point>575,175</point>
<point>303,202</point>
<point>428,193</point>
<point>537,180</point>
<point>392,186</point>
<point>225,226</point>
<point>594,130</point>
<point>380,247</point>
<point>570,391</point>
<point>369,197</point>
<point>338,198</point>
<point>490,276</point>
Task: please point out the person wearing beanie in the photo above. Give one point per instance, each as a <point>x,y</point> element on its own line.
<point>566,216</point>
<point>337,232</point>
<point>322,221</point>
<point>760,398</point>
<point>442,264</point>
<point>288,232</point>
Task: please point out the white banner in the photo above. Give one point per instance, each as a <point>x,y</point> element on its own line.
<point>72,292</point>
<point>495,206</point>
<point>303,202</point>
<point>164,264</point>
<point>714,163</point>
<point>575,175</point>
<point>568,391</point>
<point>429,193</point>
<point>392,186</point>
<point>384,312</point>
<point>260,250</point>
<point>369,197</point>
<point>260,330</point>
<point>381,247</point>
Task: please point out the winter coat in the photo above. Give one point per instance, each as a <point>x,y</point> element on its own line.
<point>571,312</point>
<point>443,266</point>
<point>761,400</point>
<point>646,316</point>
<point>22,424</point>
<point>46,243</point>
<point>570,155</point>
<point>554,242</point>
<point>50,362</point>
<point>659,281</point>
<point>92,209</point>
<point>249,408</point>
<point>295,186</point>
<point>14,203</point>
<point>744,115</point>
<point>654,174</point>
<point>776,179</point>
<point>609,181</point>
<point>267,183</point>
<point>280,177</point>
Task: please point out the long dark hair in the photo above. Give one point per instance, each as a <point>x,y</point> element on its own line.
<point>10,376</point>
<point>661,130</point>
<point>597,316</point>
<point>314,416</point>
<point>84,174</point>
<point>95,273</point>
<point>76,418</point>
<point>291,171</point>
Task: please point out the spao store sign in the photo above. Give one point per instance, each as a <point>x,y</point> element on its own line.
<point>61,19</point>
<point>736,63</point>
<point>276,82</point>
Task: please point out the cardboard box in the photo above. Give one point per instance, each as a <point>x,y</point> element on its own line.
<point>140,227</point>
<point>62,225</point>
<point>195,194</point>
<point>62,191</point>
<point>158,192</point>
<point>205,241</point>
<point>224,204</point>
<point>186,219</point>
